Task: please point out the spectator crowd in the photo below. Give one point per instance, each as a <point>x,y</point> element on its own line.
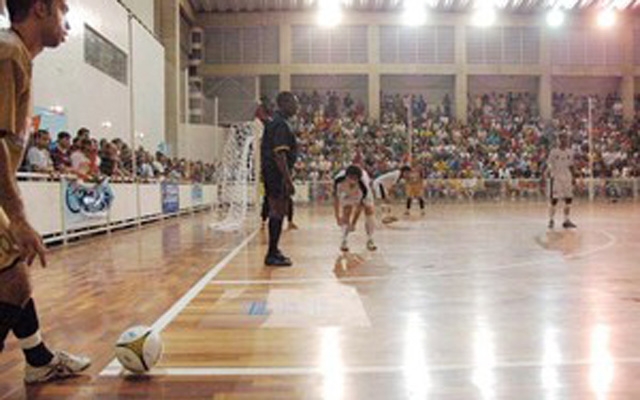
<point>92,160</point>
<point>504,136</point>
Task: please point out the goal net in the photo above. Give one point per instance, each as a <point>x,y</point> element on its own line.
<point>239,176</point>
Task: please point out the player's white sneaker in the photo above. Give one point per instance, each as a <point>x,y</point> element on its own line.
<point>63,365</point>
<point>371,246</point>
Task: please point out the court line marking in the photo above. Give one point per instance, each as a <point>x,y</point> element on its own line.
<point>370,369</point>
<point>182,303</point>
<point>612,241</point>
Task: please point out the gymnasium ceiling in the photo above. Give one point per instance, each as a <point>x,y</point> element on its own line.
<point>516,6</point>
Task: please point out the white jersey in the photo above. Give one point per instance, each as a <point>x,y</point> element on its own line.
<point>387,180</point>
<point>559,163</point>
<point>350,195</point>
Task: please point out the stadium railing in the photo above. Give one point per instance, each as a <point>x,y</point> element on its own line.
<point>135,202</point>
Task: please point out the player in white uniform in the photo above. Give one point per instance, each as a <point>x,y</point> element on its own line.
<point>560,172</point>
<point>350,191</point>
<point>382,187</point>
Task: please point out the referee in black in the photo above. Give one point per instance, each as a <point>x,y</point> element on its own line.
<point>279,152</point>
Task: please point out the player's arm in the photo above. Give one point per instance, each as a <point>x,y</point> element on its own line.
<point>336,202</point>
<point>280,150</point>
<point>573,172</point>
<point>10,200</point>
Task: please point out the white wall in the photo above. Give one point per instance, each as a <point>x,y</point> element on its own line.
<point>89,97</point>
<point>201,142</point>
<point>432,87</point>
<point>482,84</point>
<point>143,9</point>
<point>586,85</point>
<point>148,86</point>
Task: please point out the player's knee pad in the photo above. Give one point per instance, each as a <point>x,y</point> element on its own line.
<point>554,202</point>
<point>568,201</point>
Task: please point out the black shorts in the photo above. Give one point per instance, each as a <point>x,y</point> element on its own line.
<point>273,185</point>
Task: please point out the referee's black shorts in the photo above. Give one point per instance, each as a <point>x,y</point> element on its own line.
<point>273,185</point>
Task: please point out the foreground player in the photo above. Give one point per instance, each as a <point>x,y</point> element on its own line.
<point>382,187</point>
<point>562,179</point>
<point>35,24</point>
<point>414,187</point>
<point>350,192</point>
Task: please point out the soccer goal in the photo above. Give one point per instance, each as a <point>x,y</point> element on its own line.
<point>239,177</point>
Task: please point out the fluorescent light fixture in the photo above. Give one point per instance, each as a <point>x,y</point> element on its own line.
<point>555,18</point>
<point>607,18</point>
<point>329,13</point>
<point>414,12</point>
<point>107,124</point>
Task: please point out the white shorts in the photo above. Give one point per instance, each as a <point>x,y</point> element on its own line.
<point>351,201</point>
<point>561,188</point>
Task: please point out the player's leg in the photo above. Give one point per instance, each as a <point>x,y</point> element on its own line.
<point>345,226</point>
<point>278,206</point>
<point>18,314</point>
<point>356,217</point>
<point>552,211</point>
<point>567,211</point>
<point>384,207</point>
<point>421,201</point>
<point>264,213</point>
<point>370,224</point>
<point>15,291</point>
<point>408,209</point>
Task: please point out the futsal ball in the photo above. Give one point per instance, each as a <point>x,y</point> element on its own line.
<point>138,349</point>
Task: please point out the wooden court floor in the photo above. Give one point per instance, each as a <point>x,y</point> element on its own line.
<point>471,301</point>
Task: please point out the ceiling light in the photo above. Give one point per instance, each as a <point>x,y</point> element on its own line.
<point>414,12</point>
<point>607,18</point>
<point>555,18</point>
<point>484,17</point>
<point>329,13</point>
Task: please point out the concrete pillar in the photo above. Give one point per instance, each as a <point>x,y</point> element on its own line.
<point>168,19</point>
<point>545,93</point>
<point>285,57</point>
<point>462,76</point>
<point>628,80</point>
<point>374,72</point>
<point>627,94</point>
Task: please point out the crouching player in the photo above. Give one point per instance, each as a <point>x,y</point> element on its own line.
<point>349,193</point>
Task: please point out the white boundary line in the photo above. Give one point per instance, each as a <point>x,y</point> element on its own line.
<point>373,369</point>
<point>180,305</point>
